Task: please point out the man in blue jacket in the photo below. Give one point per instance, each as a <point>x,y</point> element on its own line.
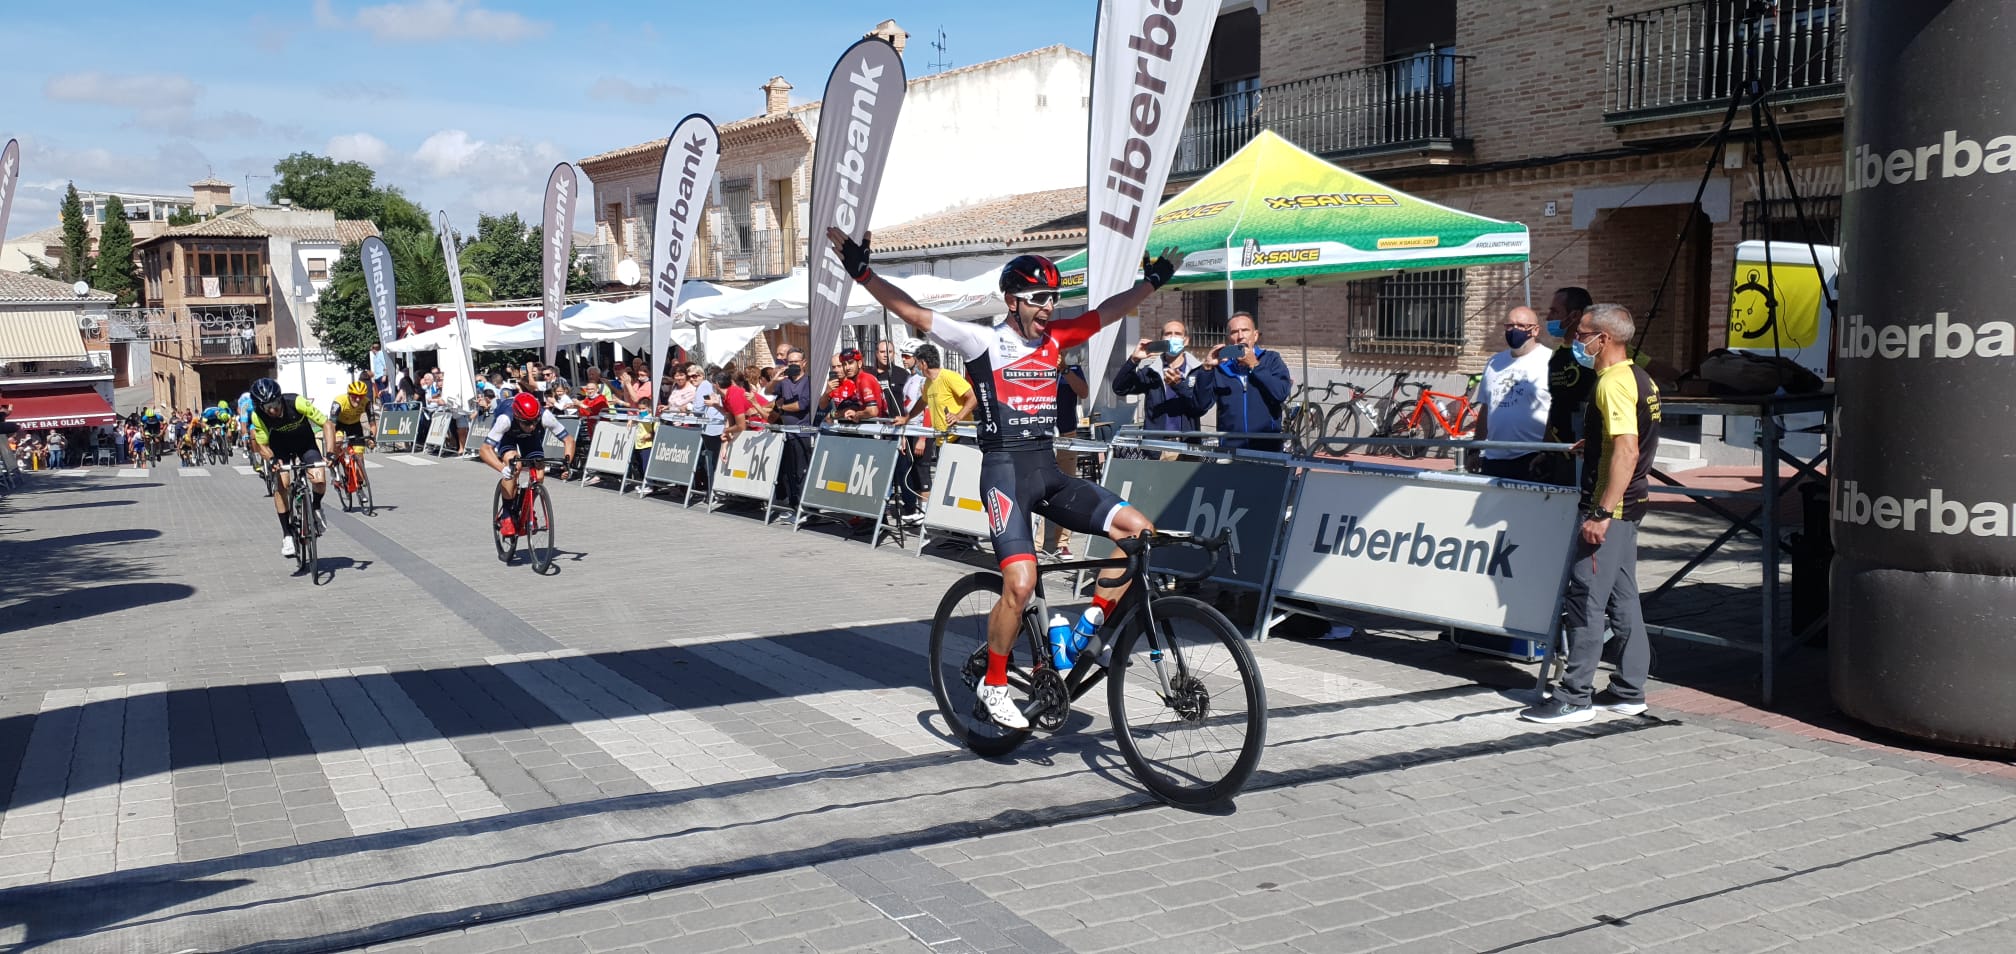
<point>1163,373</point>
<point>1247,384</point>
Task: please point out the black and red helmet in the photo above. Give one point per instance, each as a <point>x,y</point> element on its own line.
<point>1027,273</point>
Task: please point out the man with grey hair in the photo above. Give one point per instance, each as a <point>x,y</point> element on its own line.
<point>1620,438</point>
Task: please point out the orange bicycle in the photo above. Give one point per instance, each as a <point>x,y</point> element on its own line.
<point>1431,414</point>
<point>531,516</point>
<point>353,483</point>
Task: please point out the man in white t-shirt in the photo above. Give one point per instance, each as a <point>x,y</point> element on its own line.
<point>1513,397</point>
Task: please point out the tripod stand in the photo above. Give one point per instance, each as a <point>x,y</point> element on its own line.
<point>1753,92</point>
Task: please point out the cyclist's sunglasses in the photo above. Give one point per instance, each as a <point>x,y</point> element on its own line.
<point>1041,299</point>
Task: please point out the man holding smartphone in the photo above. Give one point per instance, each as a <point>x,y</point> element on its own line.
<point>1162,372</point>
<point>1247,385</point>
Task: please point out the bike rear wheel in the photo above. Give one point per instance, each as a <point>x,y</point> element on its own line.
<point>959,662</point>
<point>1189,710</point>
<point>539,537</point>
<point>1397,425</point>
<point>506,546</point>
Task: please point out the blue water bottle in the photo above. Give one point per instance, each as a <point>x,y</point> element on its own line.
<point>1061,653</point>
<point>1088,624</point>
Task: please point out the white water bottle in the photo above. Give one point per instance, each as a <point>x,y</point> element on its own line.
<point>1060,642</point>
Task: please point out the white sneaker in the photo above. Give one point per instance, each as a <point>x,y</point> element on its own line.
<point>287,547</point>
<point>1000,707</point>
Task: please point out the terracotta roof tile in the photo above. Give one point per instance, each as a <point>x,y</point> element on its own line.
<point>1053,215</point>
<point>20,286</point>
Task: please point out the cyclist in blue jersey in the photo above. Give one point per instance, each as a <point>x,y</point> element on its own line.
<point>1013,368</point>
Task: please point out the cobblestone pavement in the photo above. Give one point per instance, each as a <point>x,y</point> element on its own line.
<point>706,734</point>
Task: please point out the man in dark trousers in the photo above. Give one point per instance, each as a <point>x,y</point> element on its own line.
<point>1568,384</point>
<point>1247,385</point>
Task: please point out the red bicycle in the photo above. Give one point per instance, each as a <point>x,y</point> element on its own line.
<point>531,514</point>
<point>1432,414</point>
<point>353,484</point>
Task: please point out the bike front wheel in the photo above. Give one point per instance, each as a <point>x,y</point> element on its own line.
<point>1398,425</point>
<point>506,545</point>
<point>304,526</point>
<point>364,500</point>
<point>1344,422</point>
<point>959,662</point>
<point>1189,709</point>
<point>539,536</point>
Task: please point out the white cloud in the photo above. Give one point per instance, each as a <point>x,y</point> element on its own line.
<point>425,20</point>
<point>616,87</point>
<point>133,90</point>
<point>360,147</point>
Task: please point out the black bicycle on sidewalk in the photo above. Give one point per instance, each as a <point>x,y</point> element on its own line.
<point>1184,691</point>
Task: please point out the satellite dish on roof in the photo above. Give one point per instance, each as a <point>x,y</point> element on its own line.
<point>627,271</point>
<point>81,288</point>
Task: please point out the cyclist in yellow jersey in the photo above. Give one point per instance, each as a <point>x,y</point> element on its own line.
<point>284,430</point>
<point>350,412</point>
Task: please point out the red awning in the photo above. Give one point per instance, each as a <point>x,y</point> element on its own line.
<point>72,406</point>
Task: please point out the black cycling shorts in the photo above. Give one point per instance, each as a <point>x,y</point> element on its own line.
<point>354,433</point>
<point>299,444</point>
<point>1015,484</point>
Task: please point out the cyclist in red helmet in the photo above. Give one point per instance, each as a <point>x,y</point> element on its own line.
<point>519,433</point>
<point>1013,367</point>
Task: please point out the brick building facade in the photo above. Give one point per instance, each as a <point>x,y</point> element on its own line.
<point>1587,121</point>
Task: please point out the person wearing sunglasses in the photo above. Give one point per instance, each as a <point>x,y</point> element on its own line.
<point>1013,366</point>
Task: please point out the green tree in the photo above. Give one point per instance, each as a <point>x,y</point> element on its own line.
<point>76,263</point>
<point>183,215</point>
<point>508,254</point>
<point>114,271</point>
<point>347,188</point>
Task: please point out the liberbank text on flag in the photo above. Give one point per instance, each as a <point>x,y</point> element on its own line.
<point>857,122</point>
<point>684,174</point>
<point>556,251</point>
<point>452,257</point>
<point>1145,62</point>
<point>382,285</point>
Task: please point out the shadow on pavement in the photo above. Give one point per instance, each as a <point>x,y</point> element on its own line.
<point>84,506</point>
<point>25,906</point>
<point>85,602</point>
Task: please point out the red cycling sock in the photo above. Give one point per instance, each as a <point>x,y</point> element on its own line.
<point>1103,605</point>
<point>997,669</point>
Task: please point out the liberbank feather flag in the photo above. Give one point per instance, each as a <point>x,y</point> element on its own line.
<point>452,257</point>
<point>558,249</point>
<point>383,288</point>
<point>857,121</point>
<point>10,173</point>
<point>1145,61</point>
<point>691,154</point>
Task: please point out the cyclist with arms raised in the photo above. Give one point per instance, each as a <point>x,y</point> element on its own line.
<point>284,430</point>
<point>520,434</point>
<point>1013,366</point>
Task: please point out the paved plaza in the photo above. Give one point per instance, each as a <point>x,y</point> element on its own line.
<point>706,734</point>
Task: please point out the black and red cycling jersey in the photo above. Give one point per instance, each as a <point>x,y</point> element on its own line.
<point>1015,377</point>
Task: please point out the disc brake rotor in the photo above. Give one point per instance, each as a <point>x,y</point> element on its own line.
<point>1190,699</point>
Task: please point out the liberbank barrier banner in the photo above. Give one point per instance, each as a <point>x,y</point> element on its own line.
<point>439,424</point>
<point>383,288</point>
<point>954,505</point>
<point>684,175</point>
<point>849,475</point>
<point>399,427</point>
<point>675,457</point>
<point>1925,560</point>
<point>749,465</point>
<point>1205,497</point>
<point>1470,552</point>
<point>609,450</point>
<point>857,121</point>
<point>556,252</point>
<point>10,175</point>
<point>1145,60</point>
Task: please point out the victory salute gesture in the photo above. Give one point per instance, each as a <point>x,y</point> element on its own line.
<point>1013,367</point>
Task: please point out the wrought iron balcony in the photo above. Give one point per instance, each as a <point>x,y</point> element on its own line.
<point>222,286</point>
<point>1411,103</point>
<point>1692,57</point>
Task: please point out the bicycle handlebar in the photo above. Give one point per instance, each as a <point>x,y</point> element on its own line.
<point>1138,547</point>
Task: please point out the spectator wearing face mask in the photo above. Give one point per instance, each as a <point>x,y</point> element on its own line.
<point>1168,380</point>
<point>1512,398</point>
<point>791,395</point>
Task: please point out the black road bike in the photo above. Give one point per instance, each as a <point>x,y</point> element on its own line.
<point>1183,689</point>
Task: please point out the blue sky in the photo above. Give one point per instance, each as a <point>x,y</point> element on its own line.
<point>464,104</point>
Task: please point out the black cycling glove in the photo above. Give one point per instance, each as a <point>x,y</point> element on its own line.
<point>1158,271</point>
<point>854,258</point>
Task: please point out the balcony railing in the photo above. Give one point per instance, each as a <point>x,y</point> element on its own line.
<point>1691,57</point>
<point>767,253</point>
<point>1414,102</point>
<point>207,286</point>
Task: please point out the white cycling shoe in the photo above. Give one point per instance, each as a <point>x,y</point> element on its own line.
<point>1000,709</point>
<point>287,547</point>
